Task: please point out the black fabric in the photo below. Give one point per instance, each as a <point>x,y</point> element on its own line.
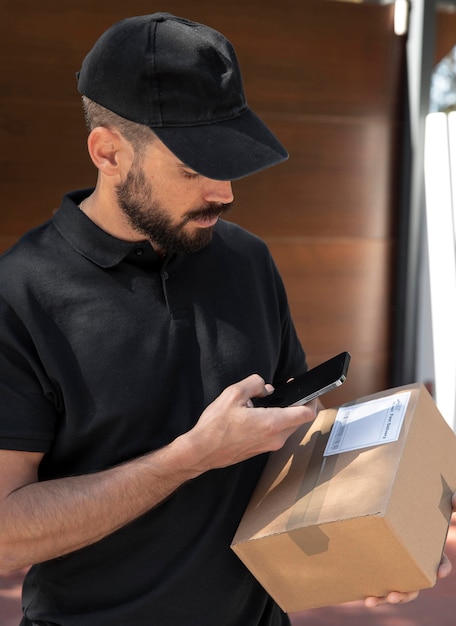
<point>107,353</point>
<point>182,79</point>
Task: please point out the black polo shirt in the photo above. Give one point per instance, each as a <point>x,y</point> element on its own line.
<point>108,352</point>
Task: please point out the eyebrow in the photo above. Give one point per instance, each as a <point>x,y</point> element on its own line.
<point>183,165</point>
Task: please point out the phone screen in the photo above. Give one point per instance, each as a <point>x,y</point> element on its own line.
<point>313,383</point>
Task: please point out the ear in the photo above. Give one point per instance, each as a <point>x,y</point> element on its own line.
<point>109,151</point>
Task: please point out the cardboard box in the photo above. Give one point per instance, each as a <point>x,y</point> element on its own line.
<point>323,530</point>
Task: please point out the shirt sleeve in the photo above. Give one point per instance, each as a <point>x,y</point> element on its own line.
<point>27,414</point>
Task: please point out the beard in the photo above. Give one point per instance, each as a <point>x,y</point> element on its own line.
<point>147,216</point>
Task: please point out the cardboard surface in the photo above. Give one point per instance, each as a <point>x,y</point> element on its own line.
<point>326,530</point>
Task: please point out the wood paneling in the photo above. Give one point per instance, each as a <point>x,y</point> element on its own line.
<point>340,294</point>
<point>339,309</point>
<point>445,38</point>
<point>337,182</point>
<point>326,76</point>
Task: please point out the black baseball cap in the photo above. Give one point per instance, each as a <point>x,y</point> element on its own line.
<point>182,79</point>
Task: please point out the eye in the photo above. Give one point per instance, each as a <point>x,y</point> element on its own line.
<point>189,174</point>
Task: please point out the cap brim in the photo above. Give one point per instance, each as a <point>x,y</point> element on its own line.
<point>225,150</point>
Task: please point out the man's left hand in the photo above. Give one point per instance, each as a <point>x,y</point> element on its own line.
<point>395,597</point>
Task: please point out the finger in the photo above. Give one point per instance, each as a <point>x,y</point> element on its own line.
<point>314,405</point>
<point>395,597</point>
<point>371,602</point>
<point>267,389</point>
<point>250,387</point>
<point>401,598</point>
<point>288,419</point>
<point>445,567</point>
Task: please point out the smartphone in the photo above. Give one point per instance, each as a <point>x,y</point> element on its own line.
<point>312,384</point>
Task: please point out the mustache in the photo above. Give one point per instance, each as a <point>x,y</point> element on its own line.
<point>211,210</point>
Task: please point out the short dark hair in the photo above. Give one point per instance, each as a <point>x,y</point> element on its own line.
<point>95,115</point>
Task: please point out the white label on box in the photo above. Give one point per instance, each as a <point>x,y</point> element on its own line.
<point>368,424</point>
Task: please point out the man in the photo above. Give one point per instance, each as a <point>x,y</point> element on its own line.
<point>136,327</point>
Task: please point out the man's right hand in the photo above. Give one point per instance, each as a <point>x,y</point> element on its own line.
<point>42,520</point>
<point>231,430</point>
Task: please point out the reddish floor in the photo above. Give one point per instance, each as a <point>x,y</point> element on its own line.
<point>434,607</point>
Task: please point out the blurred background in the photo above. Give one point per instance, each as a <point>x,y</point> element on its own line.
<point>359,220</point>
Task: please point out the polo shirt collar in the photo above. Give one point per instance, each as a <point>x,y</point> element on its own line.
<point>85,236</point>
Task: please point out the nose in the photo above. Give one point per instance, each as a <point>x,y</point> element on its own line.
<point>218,191</point>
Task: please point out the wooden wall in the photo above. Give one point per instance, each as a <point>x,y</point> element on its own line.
<point>326,76</point>
<point>445,37</point>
